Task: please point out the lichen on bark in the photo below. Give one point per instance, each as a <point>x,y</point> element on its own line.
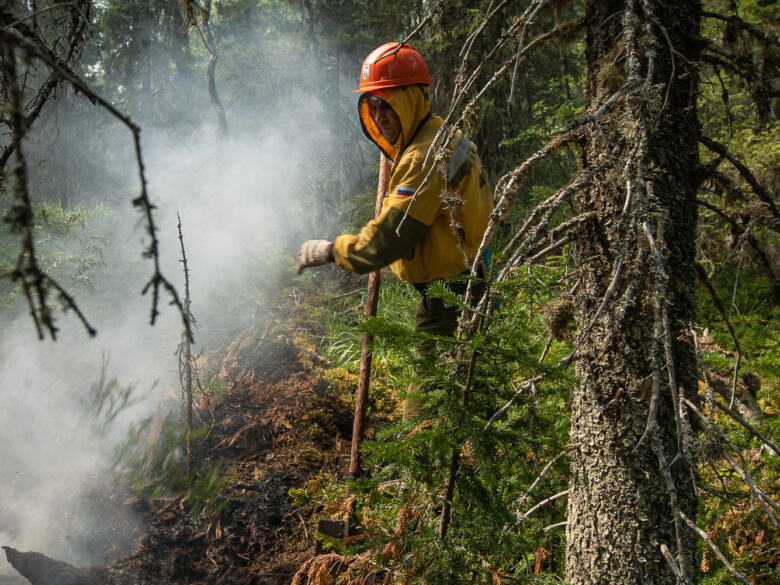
<point>631,473</point>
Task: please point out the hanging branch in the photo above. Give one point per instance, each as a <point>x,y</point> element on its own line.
<point>14,39</point>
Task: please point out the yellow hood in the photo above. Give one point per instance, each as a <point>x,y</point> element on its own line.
<point>412,106</point>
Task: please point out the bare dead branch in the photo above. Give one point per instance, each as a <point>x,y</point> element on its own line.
<point>35,14</point>
<point>760,191</point>
<point>446,132</point>
<point>671,488</point>
<point>503,410</point>
<point>206,36</point>
<point>523,516</point>
<point>35,283</point>
<point>701,276</point>
<point>74,40</point>
<point>185,350</point>
<point>756,433</point>
<point>736,574</point>
<point>417,29</point>
<point>741,470</point>
<point>524,498</point>
<point>746,26</point>
<point>744,472</point>
<point>529,20</point>
<point>744,235</point>
<point>490,13</point>
<point>672,564</point>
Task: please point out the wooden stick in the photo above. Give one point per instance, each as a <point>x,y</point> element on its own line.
<point>361,400</point>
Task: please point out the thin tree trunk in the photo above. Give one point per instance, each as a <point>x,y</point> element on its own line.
<point>631,457</point>
<point>208,40</point>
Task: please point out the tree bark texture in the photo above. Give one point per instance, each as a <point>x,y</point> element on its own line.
<point>635,299</point>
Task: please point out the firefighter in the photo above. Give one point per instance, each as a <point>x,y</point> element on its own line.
<point>419,235</point>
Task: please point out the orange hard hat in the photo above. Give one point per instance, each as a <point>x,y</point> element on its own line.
<point>393,65</point>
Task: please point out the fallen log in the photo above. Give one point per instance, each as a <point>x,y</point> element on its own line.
<point>39,569</point>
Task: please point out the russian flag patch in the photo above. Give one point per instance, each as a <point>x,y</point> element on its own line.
<point>405,191</point>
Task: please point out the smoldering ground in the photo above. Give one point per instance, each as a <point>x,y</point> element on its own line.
<point>245,202</point>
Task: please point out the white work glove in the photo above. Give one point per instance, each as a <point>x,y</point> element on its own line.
<point>315,253</point>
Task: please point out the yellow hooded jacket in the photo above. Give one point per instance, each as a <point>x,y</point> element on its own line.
<point>435,238</point>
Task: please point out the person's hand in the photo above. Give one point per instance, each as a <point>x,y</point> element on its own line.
<point>315,253</point>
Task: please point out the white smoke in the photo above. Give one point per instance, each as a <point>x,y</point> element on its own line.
<point>243,204</point>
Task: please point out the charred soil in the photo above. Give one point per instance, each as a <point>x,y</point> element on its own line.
<point>273,426</point>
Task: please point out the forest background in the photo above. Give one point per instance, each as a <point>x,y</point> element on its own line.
<point>246,128</point>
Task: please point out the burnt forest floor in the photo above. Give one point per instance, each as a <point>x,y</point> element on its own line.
<point>270,422</point>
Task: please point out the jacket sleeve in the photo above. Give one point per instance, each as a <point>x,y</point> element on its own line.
<point>380,242</point>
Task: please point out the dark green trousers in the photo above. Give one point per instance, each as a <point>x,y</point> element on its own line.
<point>435,317</point>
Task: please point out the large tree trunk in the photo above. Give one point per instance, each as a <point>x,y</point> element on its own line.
<point>625,498</point>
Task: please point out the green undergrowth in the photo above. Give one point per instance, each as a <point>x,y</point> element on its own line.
<point>503,430</point>
<point>157,469</point>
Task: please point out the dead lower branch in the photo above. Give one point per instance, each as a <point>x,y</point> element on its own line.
<point>736,574</point>
<point>760,35</point>
<point>758,189</point>
<point>744,234</point>
<point>701,276</point>
<point>523,516</point>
